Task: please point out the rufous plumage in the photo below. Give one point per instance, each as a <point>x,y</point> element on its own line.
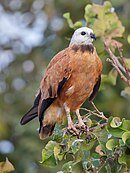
<point>72,76</point>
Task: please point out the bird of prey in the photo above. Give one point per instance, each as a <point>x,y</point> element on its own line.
<point>72,76</point>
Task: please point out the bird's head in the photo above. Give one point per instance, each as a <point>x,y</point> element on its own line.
<point>83,35</point>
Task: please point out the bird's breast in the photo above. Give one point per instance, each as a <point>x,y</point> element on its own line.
<point>86,69</point>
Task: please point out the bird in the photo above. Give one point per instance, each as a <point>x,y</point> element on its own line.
<point>72,76</point>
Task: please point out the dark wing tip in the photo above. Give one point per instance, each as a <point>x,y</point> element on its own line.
<point>95,90</point>
<point>31,114</point>
<point>22,122</point>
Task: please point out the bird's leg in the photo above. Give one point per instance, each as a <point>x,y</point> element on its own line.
<point>99,114</point>
<point>70,123</point>
<point>80,123</point>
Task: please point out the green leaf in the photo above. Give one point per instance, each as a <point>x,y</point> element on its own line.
<point>48,154</point>
<point>101,134</point>
<point>95,160</point>
<point>86,155</point>
<point>89,14</point>
<point>111,78</point>
<point>126,138</point>
<point>68,167</point>
<point>87,165</point>
<point>128,38</point>
<point>75,25</point>
<point>88,122</point>
<point>112,143</point>
<point>89,146</point>
<point>57,150</point>
<point>6,167</point>
<point>105,22</point>
<point>76,145</point>
<point>50,162</point>
<point>67,17</point>
<point>116,122</point>
<point>116,132</point>
<point>78,156</point>
<point>82,155</point>
<point>128,160</point>
<point>70,141</point>
<point>122,159</point>
<point>57,133</point>
<point>125,125</point>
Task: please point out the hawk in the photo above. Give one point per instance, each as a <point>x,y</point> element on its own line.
<point>72,76</point>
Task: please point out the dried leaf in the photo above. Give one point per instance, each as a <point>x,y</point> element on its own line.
<point>99,150</point>
<point>6,166</point>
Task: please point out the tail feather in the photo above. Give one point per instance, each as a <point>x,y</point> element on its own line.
<point>31,114</point>
<point>46,131</point>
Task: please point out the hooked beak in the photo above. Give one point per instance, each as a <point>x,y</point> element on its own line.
<point>93,36</point>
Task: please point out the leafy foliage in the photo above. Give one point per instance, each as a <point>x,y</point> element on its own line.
<point>104,146</point>
<point>95,150</point>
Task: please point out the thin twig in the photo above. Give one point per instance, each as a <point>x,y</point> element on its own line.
<point>118,66</point>
<point>91,112</point>
<point>124,65</point>
<point>100,114</point>
<point>100,125</point>
<point>96,112</point>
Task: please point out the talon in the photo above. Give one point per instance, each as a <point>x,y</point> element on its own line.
<point>72,128</point>
<point>81,126</point>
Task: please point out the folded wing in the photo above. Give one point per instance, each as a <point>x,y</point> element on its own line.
<point>57,73</point>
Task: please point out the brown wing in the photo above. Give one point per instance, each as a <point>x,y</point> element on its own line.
<point>58,69</point>
<point>57,73</point>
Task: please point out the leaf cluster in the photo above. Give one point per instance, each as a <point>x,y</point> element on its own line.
<point>98,149</point>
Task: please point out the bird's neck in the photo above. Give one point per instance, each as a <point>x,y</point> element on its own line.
<point>82,47</point>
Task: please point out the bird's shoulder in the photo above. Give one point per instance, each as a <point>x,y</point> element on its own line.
<point>60,57</point>
<point>57,73</point>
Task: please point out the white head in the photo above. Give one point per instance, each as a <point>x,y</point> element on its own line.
<point>83,35</point>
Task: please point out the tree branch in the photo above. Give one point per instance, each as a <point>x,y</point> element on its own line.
<point>120,67</point>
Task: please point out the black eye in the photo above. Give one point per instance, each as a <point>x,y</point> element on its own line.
<point>83,33</point>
